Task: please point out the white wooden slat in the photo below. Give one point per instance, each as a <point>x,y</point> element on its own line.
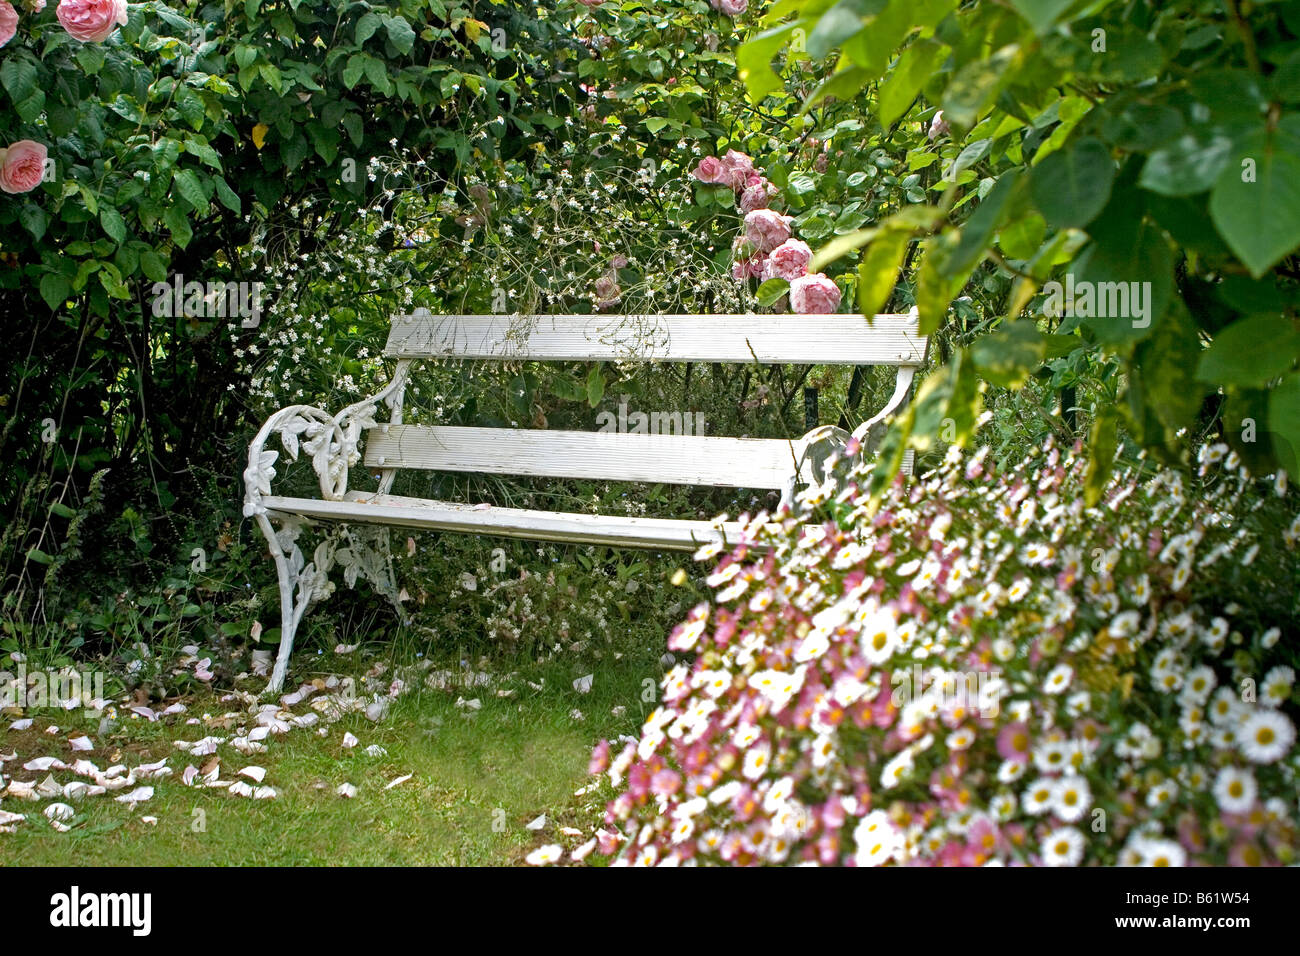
<point>791,339</point>
<point>657,533</point>
<point>675,459</point>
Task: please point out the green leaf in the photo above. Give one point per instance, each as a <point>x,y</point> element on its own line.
<point>34,219</point>
<point>754,60</point>
<point>1284,423</point>
<point>400,34</point>
<point>977,232</point>
<point>834,27</point>
<point>1256,202</point>
<point>354,70</point>
<point>190,188</point>
<point>227,196</point>
<point>1010,355</point>
<point>55,289</point>
<point>1102,446</point>
<point>39,556</point>
<point>178,223</point>
<point>20,78</point>
<point>913,69</point>
<point>1250,352</point>
<point>366,28</point>
<point>1072,186</point>
<point>1041,14</point>
<point>1188,165</point>
<point>878,271</point>
<point>595,386</point>
<point>771,290</point>
<point>112,222</point>
<point>152,265</point>
<point>976,85</point>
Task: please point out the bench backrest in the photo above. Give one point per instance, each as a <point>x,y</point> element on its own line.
<point>673,458</point>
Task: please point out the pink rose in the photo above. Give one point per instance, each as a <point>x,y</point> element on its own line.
<point>938,126</point>
<point>814,294</point>
<point>766,229</point>
<point>752,267</point>
<point>788,261</point>
<point>711,170</point>
<point>732,8</point>
<point>91,21</point>
<point>34,6</point>
<point>8,22</point>
<point>608,293</point>
<point>739,168</point>
<point>757,195</point>
<point>22,166</point>
<point>591,3</point>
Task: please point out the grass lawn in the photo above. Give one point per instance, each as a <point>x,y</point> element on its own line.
<point>477,777</point>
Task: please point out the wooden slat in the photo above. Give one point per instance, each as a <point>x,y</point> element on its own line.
<point>793,339</point>
<point>658,533</point>
<point>676,459</point>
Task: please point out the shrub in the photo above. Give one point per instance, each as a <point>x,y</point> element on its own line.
<point>981,669</point>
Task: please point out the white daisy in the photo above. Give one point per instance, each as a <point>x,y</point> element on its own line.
<point>1037,797</point>
<point>1062,847</point>
<point>877,839</point>
<point>1235,790</point>
<point>544,855</point>
<point>1276,687</point>
<point>1058,679</point>
<point>1070,798</point>
<point>1266,736</point>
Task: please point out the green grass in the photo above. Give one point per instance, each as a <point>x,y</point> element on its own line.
<point>475,782</point>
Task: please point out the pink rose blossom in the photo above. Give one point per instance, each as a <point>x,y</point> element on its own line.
<point>938,126</point>
<point>814,294</point>
<point>788,261</point>
<point>739,168</point>
<point>711,170</point>
<point>22,166</point>
<point>732,8</point>
<point>608,293</point>
<point>8,22</point>
<point>591,3</point>
<point>753,267</point>
<point>91,21</point>
<point>34,6</point>
<point>766,230</point>
<point>757,195</point>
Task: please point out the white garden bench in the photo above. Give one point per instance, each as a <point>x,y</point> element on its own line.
<point>358,519</point>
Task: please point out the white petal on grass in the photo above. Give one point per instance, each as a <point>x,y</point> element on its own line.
<point>349,740</point>
<point>59,811</point>
<point>399,781</point>
<point>240,789</point>
<point>7,818</point>
<point>265,793</point>
<point>81,743</point>
<point>544,855</point>
<point>49,787</point>
<point>152,821</point>
<point>536,824</point>
<point>138,795</point>
<point>346,790</point>
<point>254,773</point>
<point>582,852</point>
<point>583,684</point>
<point>45,763</point>
<point>374,750</point>
<point>22,724</point>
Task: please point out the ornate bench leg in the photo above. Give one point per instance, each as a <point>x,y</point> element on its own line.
<point>301,583</point>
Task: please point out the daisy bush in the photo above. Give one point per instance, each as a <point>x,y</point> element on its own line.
<point>980,669</point>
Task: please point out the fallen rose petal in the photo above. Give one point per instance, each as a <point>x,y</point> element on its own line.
<point>582,852</point>
<point>305,720</point>
<point>152,821</point>
<point>536,824</point>
<point>346,791</point>
<point>7,818</point>
<point>49,787</point>
<point>261,663</point>
<point>45,763</point>
<point>146,712</point>
<point>259,733</point>
<point>345,648</point>
<point>189,775</point>
<point>115,771</point>
<point>81,743</point>
<point>59,811</point>
<point>399,780</point>
<point>570,831</point>
<point>138,795</point>
<point>255,773</point>
<point>22,724</point>
<point>241,789</point>
<point>146,770</point>
<point>583,684</point>
<point>265,793</point>
<point>75,789</point>
<point>374,750</point>
<point>173,709</point>
<point>349,740</point>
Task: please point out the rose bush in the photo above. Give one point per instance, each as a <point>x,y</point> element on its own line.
<point>983,670</point>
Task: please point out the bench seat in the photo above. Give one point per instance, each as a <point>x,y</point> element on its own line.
<point>668,534</point>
